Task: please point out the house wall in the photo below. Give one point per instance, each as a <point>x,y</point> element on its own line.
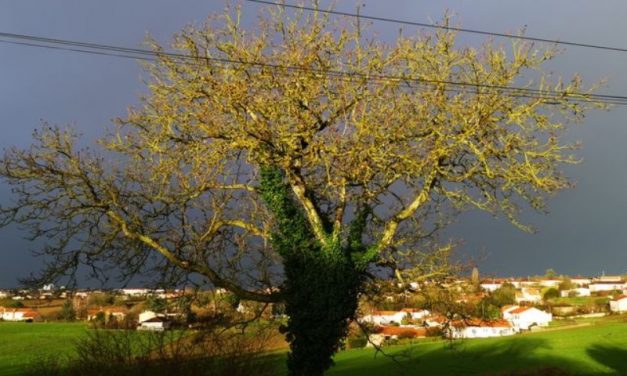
<point>482,332</point>
<point>524,320</point>
<point>490,286</point>
<point>606,287</point>
<point>157,326</point>
<point>618,306</point>
<point>577,291</point>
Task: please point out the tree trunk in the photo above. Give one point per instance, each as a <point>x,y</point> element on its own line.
<point>321,284</point>
<point>320,299</point>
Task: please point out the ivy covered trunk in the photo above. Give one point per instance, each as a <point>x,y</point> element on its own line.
<point>321,285</point>
<point>320,298</point>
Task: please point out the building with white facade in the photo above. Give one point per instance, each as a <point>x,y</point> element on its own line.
<point>389,317</point>
<point>490,286</point>
<point>581,281</point>
<point>16,314</point>
<point>579,291</point>
<point>550,282</point>
<point>528,294</point>
<point>480,329</point>
<point>155,324</point>
<point>619,304</point>
<point>523,318</point>
<point>607,286</point>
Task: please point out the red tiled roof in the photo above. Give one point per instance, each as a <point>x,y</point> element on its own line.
<point>620,297</point>
<point>384,313</point>
<point>482,323</point>
<point>439,319</point>
<point>107,310</point>
<point>409,310</point>
<point>519,310</point>
<point>397,330</point>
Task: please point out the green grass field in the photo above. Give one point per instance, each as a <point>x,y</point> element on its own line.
<point>597,349</point>
<point>21,343</point>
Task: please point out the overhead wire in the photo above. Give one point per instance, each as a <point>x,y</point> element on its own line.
<point>440,27</point>
<point>226,63</point>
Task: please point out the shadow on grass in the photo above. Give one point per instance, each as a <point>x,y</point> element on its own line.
<point>517,356</point>
<point>611,356</point>
<point>267,365</point>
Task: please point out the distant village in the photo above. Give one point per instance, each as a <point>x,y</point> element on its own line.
<point>471,308</point>
<point>517,305</point>
<point>143,308</point>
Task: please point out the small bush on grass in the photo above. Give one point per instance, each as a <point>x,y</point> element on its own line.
<point>201,352</point>
<point>357,342</point>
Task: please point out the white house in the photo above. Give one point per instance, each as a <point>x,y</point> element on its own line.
<point>523,318</point>
<point>13,314</point>
<point>581,281</point>
<point>607,286</point>
<point>505,310</point>
<point>135,292</point>
<point>156,323</point>
<point>531,295</point>
<point>550,282</point>
<point>490,286</point>
<point>389,317</point>
<point>619,304</point>
<point>146,315</point>
<point>81,294</point>
<point>415,313</point>
<point>579,291</point>
<point>480,329</point>
<point>527,283</point>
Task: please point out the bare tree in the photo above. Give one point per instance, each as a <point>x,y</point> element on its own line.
<point>283,163</point>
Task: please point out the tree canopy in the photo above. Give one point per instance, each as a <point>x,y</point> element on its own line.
<point>353,123</point>
<point>377,146</point>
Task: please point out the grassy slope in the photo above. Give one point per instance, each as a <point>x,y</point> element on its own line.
<point>599,349</point>
<point>20,343</point>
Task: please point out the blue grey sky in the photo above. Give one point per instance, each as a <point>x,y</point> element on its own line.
<point>584,233</point>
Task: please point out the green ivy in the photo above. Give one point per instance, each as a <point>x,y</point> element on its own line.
<point>321,285</point>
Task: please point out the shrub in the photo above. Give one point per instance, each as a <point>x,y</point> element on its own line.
<point>406,334</point>
<point>434,332</point>
<point>601,304</point>
<point>100,299</point>
<point>123,352</point>
<point>15,304</point>
<point>67,311</point>
<point>551,293</point>
<point>504,295</point>
<point>357,342</point>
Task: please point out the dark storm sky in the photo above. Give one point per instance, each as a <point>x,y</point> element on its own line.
<point>584,233</point>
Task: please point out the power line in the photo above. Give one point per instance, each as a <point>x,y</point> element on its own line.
<point>442,27</point>
<point>224,63</point>
<point>76,50</point>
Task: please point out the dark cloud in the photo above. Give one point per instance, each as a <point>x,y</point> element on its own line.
<point>585,232</point>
